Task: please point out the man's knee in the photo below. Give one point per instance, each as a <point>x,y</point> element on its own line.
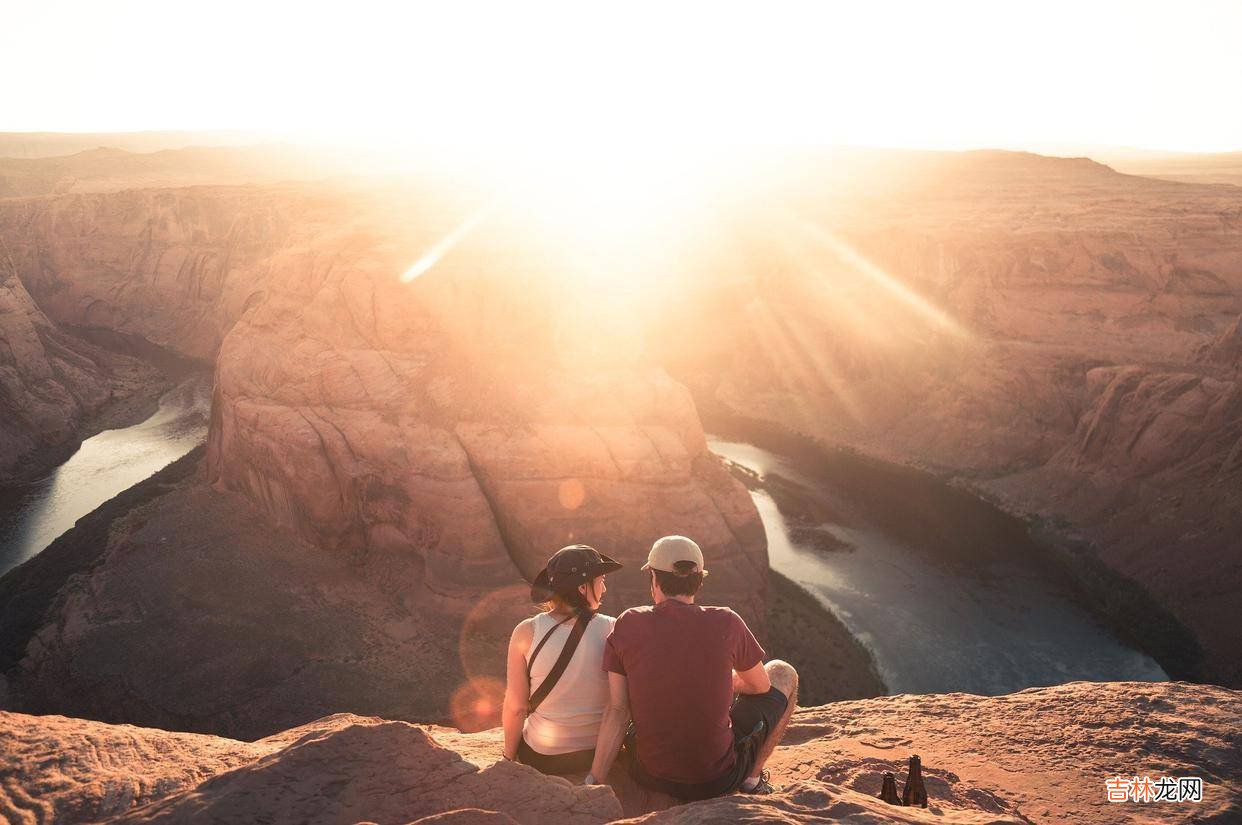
<point>783,677</point>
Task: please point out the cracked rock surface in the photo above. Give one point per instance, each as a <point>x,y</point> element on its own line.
<point>1040,755</point>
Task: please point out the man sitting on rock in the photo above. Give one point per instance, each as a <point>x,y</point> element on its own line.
<point>674,669</point>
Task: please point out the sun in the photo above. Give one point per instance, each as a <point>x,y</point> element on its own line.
<point>618,213</point>
<point>614,197</point>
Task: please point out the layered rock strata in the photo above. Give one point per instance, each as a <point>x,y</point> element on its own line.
<point>175,267</point>
<point>389,460</point>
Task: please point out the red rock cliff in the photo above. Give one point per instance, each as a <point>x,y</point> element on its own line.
<point>1060,336</point>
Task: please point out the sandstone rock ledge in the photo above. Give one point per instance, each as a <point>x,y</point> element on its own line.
<point>1038,755</point>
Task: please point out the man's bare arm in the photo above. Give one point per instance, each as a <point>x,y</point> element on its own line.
<point>612,729</point>
<point>754,681</point>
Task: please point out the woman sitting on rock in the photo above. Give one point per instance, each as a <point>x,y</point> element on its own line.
<point>557,687</point>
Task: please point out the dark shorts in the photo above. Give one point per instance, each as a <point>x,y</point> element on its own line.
<point>754,718</point>
<point>557,764</point>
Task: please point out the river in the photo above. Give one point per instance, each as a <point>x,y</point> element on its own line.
<point>947,592</point>
<point>33,515</point>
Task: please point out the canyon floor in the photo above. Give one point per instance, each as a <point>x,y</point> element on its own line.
<point>1040,755</point>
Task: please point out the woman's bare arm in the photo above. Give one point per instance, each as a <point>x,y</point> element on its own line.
<point>517,686</point>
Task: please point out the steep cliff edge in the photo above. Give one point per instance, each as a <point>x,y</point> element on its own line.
<point>1039,755</point>
<point>196,614</point>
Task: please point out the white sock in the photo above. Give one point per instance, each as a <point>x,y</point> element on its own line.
<point>749,783</point>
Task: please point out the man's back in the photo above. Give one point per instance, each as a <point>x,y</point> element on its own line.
<point>678,659</point>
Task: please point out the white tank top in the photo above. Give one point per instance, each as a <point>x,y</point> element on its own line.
<point>568,719</point>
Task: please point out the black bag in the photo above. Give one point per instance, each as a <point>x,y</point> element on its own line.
<point>562,662</point>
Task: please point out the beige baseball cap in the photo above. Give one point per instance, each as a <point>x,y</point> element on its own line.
<point>666,552</point>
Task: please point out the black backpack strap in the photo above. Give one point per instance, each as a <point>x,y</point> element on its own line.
<point>530,663</point>
<point>562,662</point>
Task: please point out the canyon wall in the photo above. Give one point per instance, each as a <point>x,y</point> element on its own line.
<point>1056,335</point>
<point>54,387</point>
<point>176,267</point>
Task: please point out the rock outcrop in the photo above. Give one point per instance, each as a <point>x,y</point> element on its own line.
<point>57,769</point>
<point>1039,755</point>
<point>454,429</point>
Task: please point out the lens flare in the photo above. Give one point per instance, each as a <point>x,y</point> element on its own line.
<point>486,629</point>
<point>476,704</point>
<point>571,493</point>
<point>445,245</point>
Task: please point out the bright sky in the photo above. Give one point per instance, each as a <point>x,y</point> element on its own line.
<point>943,74</point>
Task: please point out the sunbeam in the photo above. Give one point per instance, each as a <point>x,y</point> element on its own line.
<point>877,275</point>
<point>796,361</point>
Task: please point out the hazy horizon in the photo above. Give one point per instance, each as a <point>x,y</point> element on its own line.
<point>245,137</point>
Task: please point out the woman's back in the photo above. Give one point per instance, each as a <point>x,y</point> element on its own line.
<point>568,719</point>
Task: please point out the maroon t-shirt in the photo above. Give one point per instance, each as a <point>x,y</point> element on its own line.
<point>678,659</point>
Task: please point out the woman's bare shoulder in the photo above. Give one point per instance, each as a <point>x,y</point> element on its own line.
<point>523,633</point>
